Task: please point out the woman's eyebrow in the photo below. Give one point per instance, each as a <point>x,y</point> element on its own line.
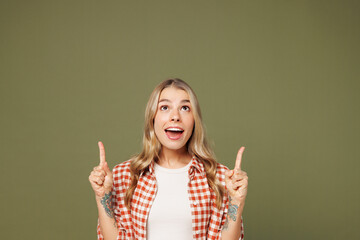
<point>167,100</point>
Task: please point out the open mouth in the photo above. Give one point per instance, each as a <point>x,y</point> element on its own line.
<point>174,133</point>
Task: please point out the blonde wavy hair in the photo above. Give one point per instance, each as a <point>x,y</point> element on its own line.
<point>197,145</point>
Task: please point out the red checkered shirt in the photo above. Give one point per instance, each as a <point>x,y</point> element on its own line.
<point>207,219</point>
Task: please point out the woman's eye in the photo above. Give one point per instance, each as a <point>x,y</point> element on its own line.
<point>186,108</point>
<point>163,108</point>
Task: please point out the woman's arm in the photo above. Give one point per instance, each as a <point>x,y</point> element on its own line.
<point>236,182</point>
<point>232,228</point>
<point>101,180</point>
<point>107,222</point>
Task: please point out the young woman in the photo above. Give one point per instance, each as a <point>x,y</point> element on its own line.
<point>173,189</point>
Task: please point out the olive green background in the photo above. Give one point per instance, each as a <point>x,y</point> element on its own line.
<point>279,77</point>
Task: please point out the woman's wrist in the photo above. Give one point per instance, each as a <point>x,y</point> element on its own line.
<point>106,203</point>
<point>238,202</point>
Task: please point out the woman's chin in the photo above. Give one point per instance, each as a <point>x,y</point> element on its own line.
<point>174,147</point>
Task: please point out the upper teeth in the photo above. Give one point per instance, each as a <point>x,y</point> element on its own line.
<point>174,129</point>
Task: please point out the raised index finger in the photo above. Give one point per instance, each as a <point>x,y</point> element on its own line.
<point>102,153</point>
<point>238,158</point>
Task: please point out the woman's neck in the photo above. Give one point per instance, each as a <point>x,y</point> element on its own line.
<point>174,158</point>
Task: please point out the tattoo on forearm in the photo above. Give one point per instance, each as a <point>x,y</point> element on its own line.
<point>232,212</point>
<point>108,204</point>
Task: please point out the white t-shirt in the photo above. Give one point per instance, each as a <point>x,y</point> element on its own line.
<point>170,213</point>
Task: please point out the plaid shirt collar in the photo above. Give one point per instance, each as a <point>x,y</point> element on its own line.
<point>195,166</point>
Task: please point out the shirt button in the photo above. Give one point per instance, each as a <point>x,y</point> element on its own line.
<point>195,203</point>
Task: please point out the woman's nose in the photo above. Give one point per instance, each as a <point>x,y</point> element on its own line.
<point>175,117</point>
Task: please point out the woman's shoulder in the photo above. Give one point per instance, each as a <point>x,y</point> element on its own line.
<point>221,168</point>
<point>220,171</point>
<point>122,168</point>
<point>122,175</point>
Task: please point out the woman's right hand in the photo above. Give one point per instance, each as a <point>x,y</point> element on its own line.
<point>101,178</point>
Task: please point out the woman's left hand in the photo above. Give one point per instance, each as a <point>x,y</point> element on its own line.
<point>236,181</point>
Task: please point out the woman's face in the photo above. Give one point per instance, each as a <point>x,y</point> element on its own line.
<point>174,120</point>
